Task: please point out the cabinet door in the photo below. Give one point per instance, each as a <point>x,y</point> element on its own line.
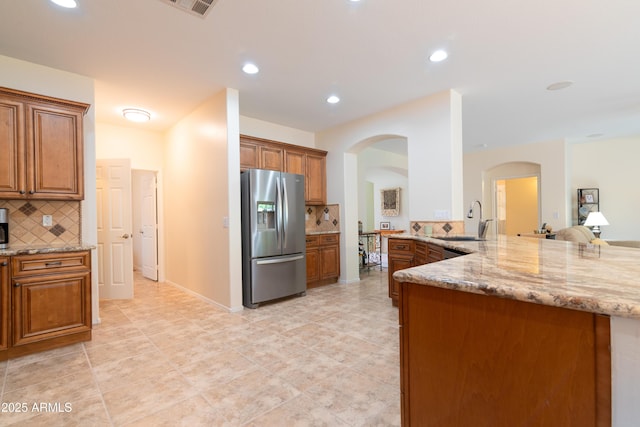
<point>397,262</point>
<point>55,168</point>
<point>4,303</point>
<point>249,155</point>
<point>329,262</point>
<point>50,306</point>
<point>313,260</point>
<point>294,162</point>
<point>271,158</point>
<point>316,179</point>
<point>12,146</point>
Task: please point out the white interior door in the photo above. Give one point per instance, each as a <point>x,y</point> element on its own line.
<point>115,252</point>
<point>149,230</point>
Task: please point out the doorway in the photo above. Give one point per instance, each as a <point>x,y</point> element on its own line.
<point>144,209</point>
<point>517,205</point>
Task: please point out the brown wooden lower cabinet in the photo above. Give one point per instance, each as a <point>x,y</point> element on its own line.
<point>5,307</point>
<point>323,259</point>
<point>476,360</point>
<point>50,301</point>
<point>406,253</point>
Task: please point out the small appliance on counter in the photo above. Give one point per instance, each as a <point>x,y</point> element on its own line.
<point>273,236</point>
<point>4,228</point>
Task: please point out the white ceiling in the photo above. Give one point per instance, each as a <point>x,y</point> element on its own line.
<point>373,54</point>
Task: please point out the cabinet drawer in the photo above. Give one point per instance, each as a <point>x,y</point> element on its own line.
<point>312,241</point>
<point>27,265</point>
<point>401,246</point>
<point>329,239</point>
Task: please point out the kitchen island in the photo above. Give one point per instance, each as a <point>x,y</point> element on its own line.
<point>521,332</point>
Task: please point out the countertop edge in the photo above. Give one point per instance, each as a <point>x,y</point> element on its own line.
<point>33,250</point>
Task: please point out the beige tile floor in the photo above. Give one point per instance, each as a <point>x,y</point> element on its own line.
<point>167,358</point>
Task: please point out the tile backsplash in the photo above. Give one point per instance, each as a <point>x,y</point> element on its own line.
<point>316,220</point>
<point>437,228</point>
<point>25,222</point>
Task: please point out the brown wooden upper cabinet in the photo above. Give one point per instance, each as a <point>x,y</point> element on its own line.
<point>310,162</point>
<point>41,141</point>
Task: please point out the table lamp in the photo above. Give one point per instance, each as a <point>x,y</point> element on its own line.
<point>595,220</point>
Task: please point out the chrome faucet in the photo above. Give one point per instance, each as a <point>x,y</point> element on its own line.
<point>482,224</point>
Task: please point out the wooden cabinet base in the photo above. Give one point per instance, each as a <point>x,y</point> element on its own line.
<point>476,360</point>
<point>45,345</point>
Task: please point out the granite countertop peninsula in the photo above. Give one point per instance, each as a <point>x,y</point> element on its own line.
<point>311,233</point>
<point>44,249</point>
<point>586,277</point>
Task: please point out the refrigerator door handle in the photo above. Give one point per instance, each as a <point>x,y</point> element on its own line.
<point>279,260</point>
<point>285,213</point>
<point>278,215</point>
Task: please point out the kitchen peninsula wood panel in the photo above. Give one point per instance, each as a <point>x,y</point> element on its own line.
<point>43,139</point>
<point>267,154</point>
<point>469,359</point>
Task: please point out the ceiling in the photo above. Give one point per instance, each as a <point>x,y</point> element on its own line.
<point>373,54</point>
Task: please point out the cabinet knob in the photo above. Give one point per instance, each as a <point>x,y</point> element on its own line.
<point>31,192</point>
<point>17,285</point>
<point>125,236</point>
<point>4,264</point>
<point>22,191</point>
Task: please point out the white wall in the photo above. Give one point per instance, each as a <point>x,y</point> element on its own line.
<point>202,187</point>
<point>35,78</point>
<point>550,156</point>
<point>261,129</point>
<point>612,166</point>
<point>432,128</point>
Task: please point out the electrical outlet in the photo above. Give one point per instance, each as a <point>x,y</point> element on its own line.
<point>326,216</point>
<point>47,220</point>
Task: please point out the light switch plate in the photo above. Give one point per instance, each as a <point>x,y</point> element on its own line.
<point>47,220</point>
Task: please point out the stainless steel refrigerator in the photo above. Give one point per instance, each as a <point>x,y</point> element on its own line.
<point>273,236</point>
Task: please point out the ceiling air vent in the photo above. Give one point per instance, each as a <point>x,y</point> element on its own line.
<point>193,7</point>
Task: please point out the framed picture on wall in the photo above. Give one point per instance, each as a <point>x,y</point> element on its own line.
<point>390,201</point>
<point>385,225</point>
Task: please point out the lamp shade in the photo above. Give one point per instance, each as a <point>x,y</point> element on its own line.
<point>596,219</point>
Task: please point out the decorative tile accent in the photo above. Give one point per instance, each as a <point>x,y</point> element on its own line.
<point>326,210</point>
<point>309,211</point>
<point>25,222</point>
<point>27,209</point>
<point>335,222</point>
<point>416,227</point>
<point>57,230</point>
<point>447,227</point>
<point>318,222</point>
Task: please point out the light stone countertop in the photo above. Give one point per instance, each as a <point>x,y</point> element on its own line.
<point>593,278</point>
<point>43,249</point>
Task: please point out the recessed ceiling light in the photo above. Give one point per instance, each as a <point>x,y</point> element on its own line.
<point>69,4</point>
<point>333,99</point>
<point>136,115</point>
<point>250,68</point>
<point>438,55</point>
<point>560,85</point>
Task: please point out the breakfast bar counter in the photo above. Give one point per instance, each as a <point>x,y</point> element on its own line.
<point>521,331</point>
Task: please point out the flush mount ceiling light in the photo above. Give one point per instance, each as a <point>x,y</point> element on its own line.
<point>250,68</point>
<point>560,85</point>
<point>69,4</point>
<point>333,99</point>
<point>136,115</point>
<point>438,55</point>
